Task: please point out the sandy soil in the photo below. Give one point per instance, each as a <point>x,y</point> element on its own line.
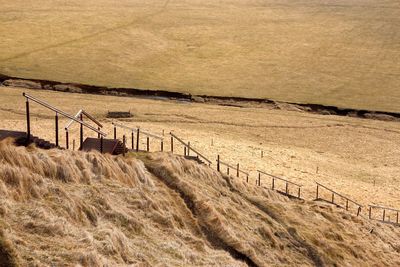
<point>356,157</point>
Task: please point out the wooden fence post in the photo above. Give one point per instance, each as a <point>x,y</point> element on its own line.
<point>172,145</point>
<point>273,183</point>
<point>184,151</point>
<point>98,134</point>
<point>369,212</point>
<point>247,179</point>
<point>287,188</point>
<point>101,144</point>
<point>148,143</point>
<point>133,140</point>
<point>218,163</point>
<point>358,211</point>
<point>227,170</point>
<point>347,204</point>
<point>137,140</point>
<point>317,192</point>
<point>298,193</point>
<point>259,179</point>
<point>115,132</point>
<point>384,215</point>
<point>124,142</point>
<point>162,145</point>
<point>333,198</point>
<point>188,149</point>
<point>237,170</point>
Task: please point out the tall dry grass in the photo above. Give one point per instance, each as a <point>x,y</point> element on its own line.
<point>87,209</point>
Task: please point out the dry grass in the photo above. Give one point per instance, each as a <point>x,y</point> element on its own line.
<point>343,53</point>
<point>354,156</point>
<point>87,209</point>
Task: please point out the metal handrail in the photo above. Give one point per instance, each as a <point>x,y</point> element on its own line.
<point>232,167</point>
<point>58,111</point>
<point>279,178</point>
<point>87,115</point>
<point>339,194</point>
<point>135,129</point>
<point>186,145</point>
<point>385,208</point>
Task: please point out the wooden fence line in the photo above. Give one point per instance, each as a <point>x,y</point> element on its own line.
<point>384,209</point>
<point>287,182</point>
<point>340,195</point>
<point>187,148</point>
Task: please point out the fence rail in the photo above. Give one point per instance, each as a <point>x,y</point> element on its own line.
<point>340,195</point>
<point>188,148</point>
<point>138,132</point>
<point>57,111</point>
<point>384,209</point>
<point>287,183</point>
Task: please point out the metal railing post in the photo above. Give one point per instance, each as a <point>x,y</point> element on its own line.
<point>81,133</point>
<point>66,139</point>
<point>56,129</point>
<point>28,123</point>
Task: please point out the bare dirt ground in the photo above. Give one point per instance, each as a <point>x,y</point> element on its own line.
<point>341,53</point>
<point>357,157</point>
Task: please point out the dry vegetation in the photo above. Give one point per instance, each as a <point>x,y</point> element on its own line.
<point>342,52</point>
<point>86,209</point>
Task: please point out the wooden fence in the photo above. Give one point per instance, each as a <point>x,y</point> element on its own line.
<point>287,183</point>
<point>234,168</point>
<point>187,148</point>
<point>138,132</point>
<point>332,200</point>
<point>385,211</point>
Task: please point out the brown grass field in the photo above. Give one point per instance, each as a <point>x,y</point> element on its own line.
<point>85,209</point>
<point>341,52</point>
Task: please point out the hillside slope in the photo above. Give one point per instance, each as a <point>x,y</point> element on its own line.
<point>66,208</point>
<point>343,52</point>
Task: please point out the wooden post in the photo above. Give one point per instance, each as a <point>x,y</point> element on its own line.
<point>347,204</point>
<point>237,170</point>
<point>73,145</point>
<point>262,153</point>
<point>148,143</point>
<point>81,132</point>
<point>247,179</point>
<point>298,193</point>
<point>162,145</point>
<point>317,191</point>
<point>133,140</point>
<point>56,129</point>
<point>124,142</point>
<point>287,188</point>
<point>115,132</point>
<point>397,218</point>
<point>273,183</point>
<point>98,134</point>
<point>358,211</point>
<point>384,215</point>
<point>101,144</point>
<point>28,123</point>
<point>172,145</point>
<point>227,170</point>
<point>184,151</point>
<point>333,198</point>
<point>218,163</point>
<point>66,139</point>
<point>259,179</point>
<point>188,149</point>
<point>369,212</point>
<point>137,140</point>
